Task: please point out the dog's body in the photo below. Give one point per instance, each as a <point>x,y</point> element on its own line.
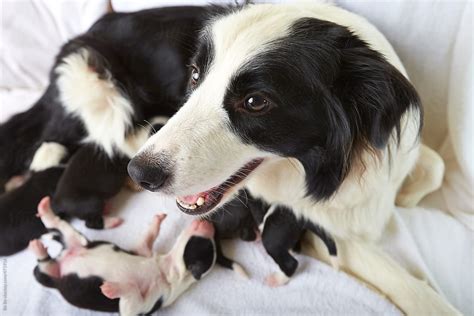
<point>308,107</point>
<point>106,84</point>
<point>18,223</point>
<point>91,178</point>
<point>100,276</point>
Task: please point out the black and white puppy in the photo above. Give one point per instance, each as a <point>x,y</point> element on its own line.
<point>281,231</point>
<point>18,223</point>
<point>105,84</point>
<point>90,180</point>
<point>100,276</point>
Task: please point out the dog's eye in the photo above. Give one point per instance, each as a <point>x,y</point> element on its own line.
<point>256,103</point>
<point>194,75</point>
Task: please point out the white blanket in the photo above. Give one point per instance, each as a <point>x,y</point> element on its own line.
<point>315,289</point>
<point>435,43</point>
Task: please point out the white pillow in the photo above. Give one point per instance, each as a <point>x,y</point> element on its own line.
<point>33,31</point>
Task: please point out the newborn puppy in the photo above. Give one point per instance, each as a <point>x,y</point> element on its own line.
<point>18,223</point>
<point>100,276</point>
<point>91,178</point>
<point>235,219</point>
<point>281,231</point>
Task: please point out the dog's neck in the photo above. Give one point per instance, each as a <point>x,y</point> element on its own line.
<point>278,181</point>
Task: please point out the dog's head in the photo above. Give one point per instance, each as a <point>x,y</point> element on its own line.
<point>269,82</point>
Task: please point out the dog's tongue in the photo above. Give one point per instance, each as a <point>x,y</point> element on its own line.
<point>190,199</point>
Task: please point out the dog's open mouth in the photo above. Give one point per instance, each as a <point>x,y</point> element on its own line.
<point>201,203</point>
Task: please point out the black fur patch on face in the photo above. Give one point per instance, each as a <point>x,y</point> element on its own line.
<point>332,97</point>
<point>199,256</point>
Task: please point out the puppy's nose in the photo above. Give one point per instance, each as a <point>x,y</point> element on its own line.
<point>149,177</point>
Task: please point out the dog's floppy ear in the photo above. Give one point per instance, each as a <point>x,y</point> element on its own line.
<point>364,106</point>
<point>374,95</point>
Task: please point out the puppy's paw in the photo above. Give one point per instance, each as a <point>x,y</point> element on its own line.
<point>276,279</point>
<point>38,249</point>
<point>15,182</point>
<point>44,207</point>
<point>159,218</point>
<point>112,222</point>
<point>110,290</point>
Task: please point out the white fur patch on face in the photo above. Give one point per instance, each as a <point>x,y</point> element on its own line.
<point>48,155</point>
<point>105,112</point>
<point>205,151</point>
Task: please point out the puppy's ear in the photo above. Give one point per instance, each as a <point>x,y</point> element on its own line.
<point>364,105</point>
<point>197,270</point>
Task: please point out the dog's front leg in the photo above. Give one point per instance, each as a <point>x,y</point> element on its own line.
<point>370,264</point>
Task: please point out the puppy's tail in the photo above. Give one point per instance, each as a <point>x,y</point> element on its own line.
<point>328,241</point>
<point>227,263</point>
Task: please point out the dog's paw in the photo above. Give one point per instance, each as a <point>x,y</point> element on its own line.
<point>112,222</point>
<point>408,200</point>
<point>38,249</point>
<point>276,279</point>
<point>15,182</point>
<point>159,218</point>
<point>44,207</point>
<point>110,290</point>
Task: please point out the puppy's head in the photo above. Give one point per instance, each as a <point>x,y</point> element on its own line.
<point>268,82</point>
<point>194,253</point>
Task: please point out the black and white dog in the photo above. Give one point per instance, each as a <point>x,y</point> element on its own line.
<point>104,86</point>
<point>100,276</point>
<point>309,107</point>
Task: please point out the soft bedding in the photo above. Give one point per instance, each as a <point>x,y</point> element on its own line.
<point>425,239</point>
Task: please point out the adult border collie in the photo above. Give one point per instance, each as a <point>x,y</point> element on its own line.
<point>306,106</point>
<point>104,86</point>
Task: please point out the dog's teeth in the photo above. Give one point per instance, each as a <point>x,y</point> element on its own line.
<point>185,205</point>
<point>200,201</point>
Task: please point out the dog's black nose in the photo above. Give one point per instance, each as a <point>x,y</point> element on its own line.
<point>149,177</point>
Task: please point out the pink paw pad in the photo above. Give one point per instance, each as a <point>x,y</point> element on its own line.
<point>44,206</point>
<point>276,280</point>
<point>37,247</point>
<point>159,218</point>
<point>110,290</point>
<point>112,222</point>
